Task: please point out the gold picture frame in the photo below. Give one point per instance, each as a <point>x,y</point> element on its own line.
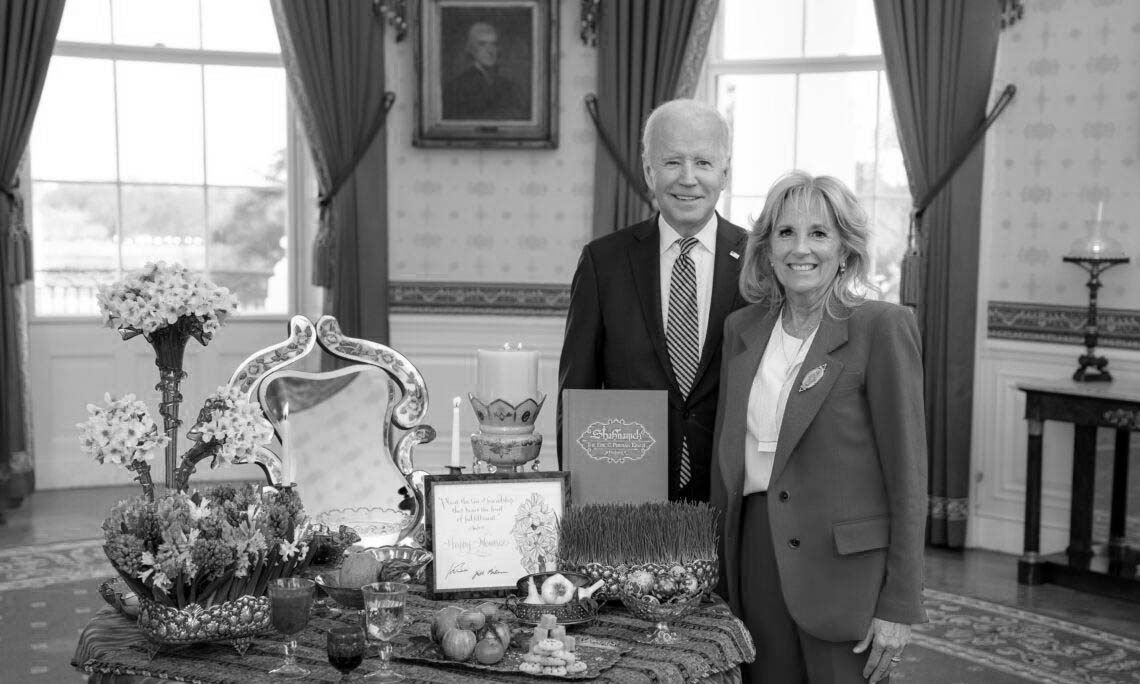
<point>487,74</point>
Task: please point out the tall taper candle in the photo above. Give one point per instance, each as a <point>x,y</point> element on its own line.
<point>455,431</point>
<point>288,462</point>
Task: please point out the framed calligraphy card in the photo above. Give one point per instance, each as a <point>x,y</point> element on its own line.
<point>487,531</point>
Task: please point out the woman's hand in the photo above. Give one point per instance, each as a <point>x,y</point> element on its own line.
<point>887,641</point>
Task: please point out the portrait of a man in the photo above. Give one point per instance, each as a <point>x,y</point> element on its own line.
<point>490,53</point>
<point>488,74</point>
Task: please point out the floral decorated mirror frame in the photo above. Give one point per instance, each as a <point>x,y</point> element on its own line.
<point>253,376</point>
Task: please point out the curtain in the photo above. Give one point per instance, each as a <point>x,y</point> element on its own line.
<point>333,52</point>
<point>696,48</point>
<point>639,66</point>
<point>940,58</point>
<point>27,36</point>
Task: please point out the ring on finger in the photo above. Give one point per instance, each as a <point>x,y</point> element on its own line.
<point>896,659</point>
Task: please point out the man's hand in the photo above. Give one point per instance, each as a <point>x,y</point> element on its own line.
<point>887,641</point>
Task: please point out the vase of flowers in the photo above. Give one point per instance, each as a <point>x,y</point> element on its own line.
<point>199,562</point>
<point>167,305</point>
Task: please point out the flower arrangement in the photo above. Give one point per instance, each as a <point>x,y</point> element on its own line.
<point>122,432</point>
<point>160,295</point>
<point>235,424</point>
<point>209,548</point>
<point>167,305</point>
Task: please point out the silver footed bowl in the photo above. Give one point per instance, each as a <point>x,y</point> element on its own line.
<point>661,613</point>
<point>397,564</point>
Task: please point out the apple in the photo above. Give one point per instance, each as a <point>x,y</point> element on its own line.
<point>458,644</point>
<point>444,620</point>
<point>489,609</point>
<point>490,650</point>
<point>501,630</point>
<point>472,620</point>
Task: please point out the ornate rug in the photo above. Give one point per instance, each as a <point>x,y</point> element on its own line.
<point>49,592</point>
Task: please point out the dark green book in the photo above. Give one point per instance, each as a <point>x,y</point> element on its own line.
<point>615,443</point>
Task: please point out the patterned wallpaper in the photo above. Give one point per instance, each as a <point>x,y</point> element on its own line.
<point>492,216</point>
<point>1070,139</point>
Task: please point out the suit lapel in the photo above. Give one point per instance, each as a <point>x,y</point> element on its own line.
<point>803,406</point>
<point>726,271</point>
<point>645,262</point>
<point>741,371</point>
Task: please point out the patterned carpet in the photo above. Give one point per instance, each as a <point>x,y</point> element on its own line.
<point>48,592</point>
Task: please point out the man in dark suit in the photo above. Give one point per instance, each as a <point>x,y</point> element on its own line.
<point>647,306</point>
<point>480,91</point>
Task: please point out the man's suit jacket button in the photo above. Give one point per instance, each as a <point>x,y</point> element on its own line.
<point>794,543</point>
<point>687,415</point>
<point>783,496</point>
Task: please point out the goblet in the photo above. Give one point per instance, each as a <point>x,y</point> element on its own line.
<point>384,617</point>
<point>660,613</point>
<point>289,601</point>
<point>346,649</point>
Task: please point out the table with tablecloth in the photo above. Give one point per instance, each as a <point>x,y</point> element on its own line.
<point>712,648</point>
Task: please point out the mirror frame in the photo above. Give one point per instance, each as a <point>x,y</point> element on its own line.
<point>409,411</point>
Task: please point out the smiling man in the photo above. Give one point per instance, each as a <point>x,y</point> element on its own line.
<point>648,302</point>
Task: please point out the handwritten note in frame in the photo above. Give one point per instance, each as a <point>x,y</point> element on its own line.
<point>487,531</point>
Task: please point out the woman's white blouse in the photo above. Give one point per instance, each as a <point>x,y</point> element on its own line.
<point>770,389</point>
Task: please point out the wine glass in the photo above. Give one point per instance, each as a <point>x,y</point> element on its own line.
<point>289,601</point>
<point>346,649</point>
<point>384,617</point>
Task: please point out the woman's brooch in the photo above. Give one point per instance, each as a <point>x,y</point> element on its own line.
<point>813,376</point>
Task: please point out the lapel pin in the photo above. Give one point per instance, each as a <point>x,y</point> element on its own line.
<point>734,255</point>
<point>813,376</point>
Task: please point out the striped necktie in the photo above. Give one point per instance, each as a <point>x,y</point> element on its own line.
<point>682,333</point>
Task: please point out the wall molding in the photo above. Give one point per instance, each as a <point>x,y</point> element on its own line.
<point>1119,328</point>
<point>502,299</point>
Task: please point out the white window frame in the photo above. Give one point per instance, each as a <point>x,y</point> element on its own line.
<point>300,178</point>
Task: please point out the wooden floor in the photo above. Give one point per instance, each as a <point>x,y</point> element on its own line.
<point>73,515</point>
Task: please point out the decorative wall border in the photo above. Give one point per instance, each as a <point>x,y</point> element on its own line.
<point>501,299</point>
<point>1119,328</point>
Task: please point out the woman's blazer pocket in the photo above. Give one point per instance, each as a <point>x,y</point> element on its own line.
<point>864,534</point>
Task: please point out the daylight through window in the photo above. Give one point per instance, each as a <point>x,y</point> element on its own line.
<point>161,135</point>
<point>803,85</point>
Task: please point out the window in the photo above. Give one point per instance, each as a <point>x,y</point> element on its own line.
<point>162,134</point>
<point>803,84</point>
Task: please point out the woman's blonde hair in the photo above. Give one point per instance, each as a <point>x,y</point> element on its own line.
<point>800,190</point>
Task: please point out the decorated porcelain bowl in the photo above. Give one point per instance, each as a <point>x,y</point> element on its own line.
<point>498,416</point>
<point>574,612</point>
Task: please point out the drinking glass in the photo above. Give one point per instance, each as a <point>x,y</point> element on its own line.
<point>346,649</point>
<point>289,601</point>
<point>384,617</point>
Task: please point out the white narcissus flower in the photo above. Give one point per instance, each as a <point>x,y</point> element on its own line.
<point>120,431</point>
<point>159,295</point>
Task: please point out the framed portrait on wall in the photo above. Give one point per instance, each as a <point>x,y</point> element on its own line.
<point>487,73</point>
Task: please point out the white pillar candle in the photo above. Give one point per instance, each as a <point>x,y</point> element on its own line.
<point>455,431</point>
<point>1099,210</point>
<point>507,374</point>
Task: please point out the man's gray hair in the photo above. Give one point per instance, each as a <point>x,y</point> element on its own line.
<point>686,108</point>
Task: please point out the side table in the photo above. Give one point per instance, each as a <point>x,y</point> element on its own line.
<point>1088,407</point>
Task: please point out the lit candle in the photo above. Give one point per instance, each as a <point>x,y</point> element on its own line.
<point>288,464</point>
<point>455,431</point>
<point>1099,210</point>
<point>507,374</point>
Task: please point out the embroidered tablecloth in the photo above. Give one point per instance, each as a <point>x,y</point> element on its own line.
<point>714,644</point>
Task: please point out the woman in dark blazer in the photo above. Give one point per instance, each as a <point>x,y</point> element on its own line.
<point>820,449</point>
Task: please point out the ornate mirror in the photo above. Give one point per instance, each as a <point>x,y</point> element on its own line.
<point>345,437</point>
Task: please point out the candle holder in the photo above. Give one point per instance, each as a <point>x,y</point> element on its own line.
<point>454,470</point>
<point>1095,254</point>
<point>506,437</point>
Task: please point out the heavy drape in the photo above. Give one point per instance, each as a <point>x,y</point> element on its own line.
<point>940,62</point>
<point>27,37</point>
<point>641,57</point>
<point>333,52</point>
